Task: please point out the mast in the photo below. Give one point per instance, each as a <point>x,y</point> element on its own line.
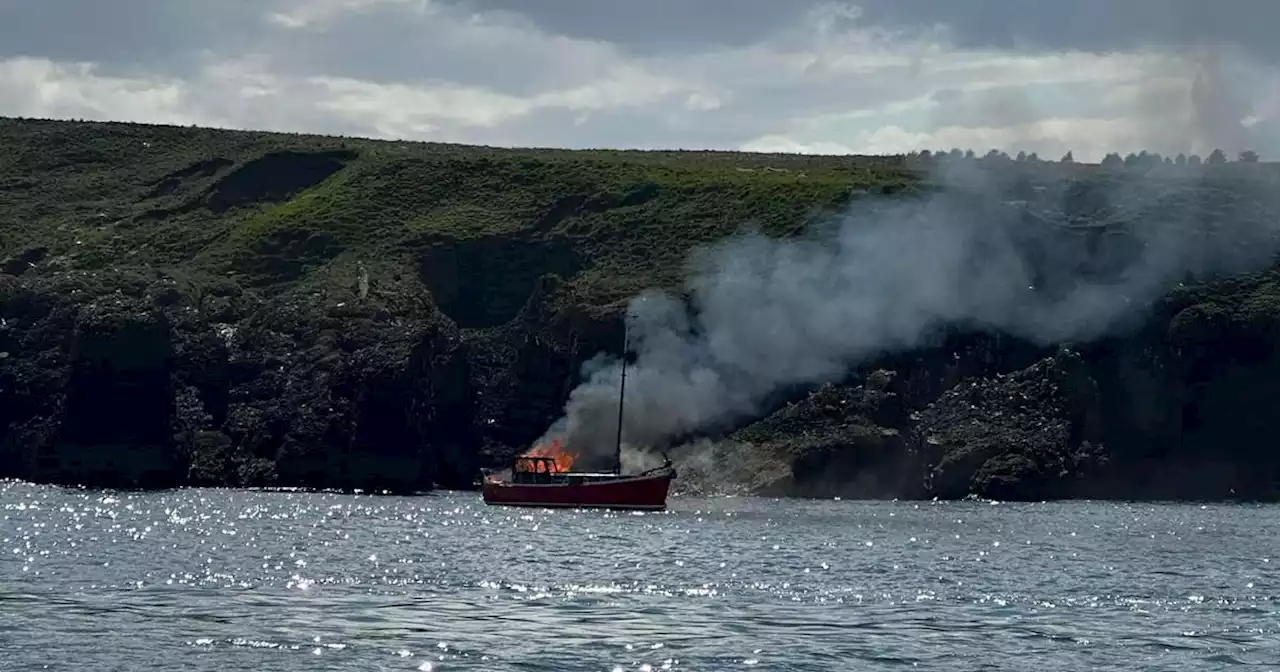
<point>622,388</point>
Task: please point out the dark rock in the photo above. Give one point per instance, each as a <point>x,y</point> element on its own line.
<point>176,180</point>
<point>274,177</point>
<point>841,440</point>
<point>1192,401</point>
<point>21,262</point>
<point>271,178</point>
<point>1011,476</point>
<point>120,380</point>
<point>486,282</point>
<point>140,379</point>
<point>352,400</point>
<point>114,426</point>
<point>1030,434</point>
<point>523,372</point>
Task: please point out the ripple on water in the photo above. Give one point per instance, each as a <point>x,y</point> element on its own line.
<point>206,579</point>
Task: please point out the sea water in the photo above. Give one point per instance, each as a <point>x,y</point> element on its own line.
<point>243,580</point>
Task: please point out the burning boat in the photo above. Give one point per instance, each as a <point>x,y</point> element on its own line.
<point>544,477</point>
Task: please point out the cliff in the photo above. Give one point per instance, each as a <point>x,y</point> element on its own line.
<point>194,306</point>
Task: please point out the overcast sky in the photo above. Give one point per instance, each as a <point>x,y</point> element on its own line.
<point>778,75</point>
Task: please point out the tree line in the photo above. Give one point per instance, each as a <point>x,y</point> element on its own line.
<point>1113,160</point>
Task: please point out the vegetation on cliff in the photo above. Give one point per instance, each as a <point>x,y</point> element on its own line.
<point>196,306</point>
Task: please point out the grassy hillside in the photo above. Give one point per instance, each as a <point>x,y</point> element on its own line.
<point>279,211</point>
<point>217,275</point>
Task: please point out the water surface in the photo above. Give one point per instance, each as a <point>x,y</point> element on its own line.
<point>239,580</point>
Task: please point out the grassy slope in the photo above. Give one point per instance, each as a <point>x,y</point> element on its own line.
<point>476,225</point>
<point>106,194</point>
<point>110,194</point>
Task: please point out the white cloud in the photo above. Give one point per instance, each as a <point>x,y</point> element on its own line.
<point>625,86</point>
<point>827,82</point>
<point>702,101</point>
<point>781,144</point>
<point>32,87</point>
<point>408,110</point>
<point>392,106</point>
<point>315,13</point>
<point>1087,139</point>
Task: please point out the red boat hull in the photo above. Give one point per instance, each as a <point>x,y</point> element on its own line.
<point>645,492</point>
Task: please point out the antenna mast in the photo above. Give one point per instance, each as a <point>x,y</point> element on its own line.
<point>622,388</point>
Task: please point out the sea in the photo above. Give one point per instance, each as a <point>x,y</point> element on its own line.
<point>214,580</point>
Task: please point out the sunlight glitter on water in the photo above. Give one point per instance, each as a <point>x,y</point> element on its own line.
<point>253,579</point>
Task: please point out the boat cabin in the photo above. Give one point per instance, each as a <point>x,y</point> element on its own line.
<point>542,470</point>
<point>535,470</point>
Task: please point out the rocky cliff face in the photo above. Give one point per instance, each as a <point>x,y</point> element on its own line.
<point>1182,408</point>
<point>126,380</point>
<point>136,380</point>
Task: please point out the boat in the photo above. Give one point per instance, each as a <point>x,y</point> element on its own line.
<point>544,477</point>
<point>535,483</point>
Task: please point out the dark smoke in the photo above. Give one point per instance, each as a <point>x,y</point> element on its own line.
<point>767,313</point>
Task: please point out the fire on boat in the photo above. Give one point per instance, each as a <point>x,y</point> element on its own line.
<point>544,477</point>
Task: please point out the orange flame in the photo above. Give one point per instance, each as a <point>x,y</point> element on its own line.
<point>563,459</point>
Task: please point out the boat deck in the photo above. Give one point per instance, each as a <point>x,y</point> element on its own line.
<point>563,477</point>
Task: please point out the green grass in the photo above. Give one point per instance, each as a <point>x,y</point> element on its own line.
<point>103,195</point>
<point>95,195</point>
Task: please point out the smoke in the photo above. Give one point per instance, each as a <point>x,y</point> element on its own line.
<point>711,468</point>
<point>1218,108</point>
<point>1233,103</point>
<point>767,313</point>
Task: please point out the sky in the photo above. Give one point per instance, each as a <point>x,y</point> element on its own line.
<point>882,76</point>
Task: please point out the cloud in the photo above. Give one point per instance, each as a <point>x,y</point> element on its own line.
<point>743,74</point>
<point>317,13</point>
<point>38,87</point>
<point>1099,26</point>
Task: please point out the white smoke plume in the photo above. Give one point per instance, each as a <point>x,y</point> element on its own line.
<point>767,313</point>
